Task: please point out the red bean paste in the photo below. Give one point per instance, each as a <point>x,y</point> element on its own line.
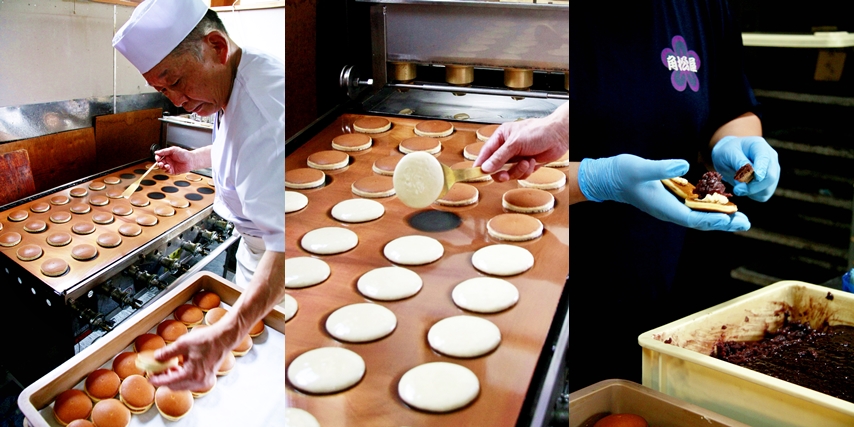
<point>710,183</point>
<point>822,360</point>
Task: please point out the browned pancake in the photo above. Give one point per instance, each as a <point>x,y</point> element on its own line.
<point>84,252</point>
<point>420,143</point>
<point>83,228</point>
<point>514,227</point>
<point>59,200</point>
<point>29,252</point>
<point>35,226</point>
<point>328,159</point>
<point>373,186</point>
<point>59,238</point>
<point>102,218</point>
<point>18,216</point>
<point>112,180</point>
<point>471,151</point>
<point>146,220</point>
<point>371,124</point>
<point>164,210</point>
<point>78,192</point>
<point>97,185</point>
<point>561,162</point>
<point>385,165</point>
<point>80,208</point>
<point>352,142</point>
<point>434,128</point>
<point>527,200</point>
<point>483,133</point>
<point>40,207</point>
<point>109,239</point>
<point>178,203</point>
<point>139,200</point>
<point>98,200</point>
<point>130,230</point>
<point>193,177</point>
<point>122,210</point>
<point>304,178</point>
<point>114,193</point>
<point>459,195</point>
<point>10,238</point>
<point>544,179</point>
<point>54,267</point>
<point>60,217</point>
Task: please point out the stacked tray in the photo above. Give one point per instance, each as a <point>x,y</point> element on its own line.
<point>249,395</point>
<point>504,374</point>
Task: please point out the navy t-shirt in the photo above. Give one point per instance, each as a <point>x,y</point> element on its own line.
<point>656,85</point>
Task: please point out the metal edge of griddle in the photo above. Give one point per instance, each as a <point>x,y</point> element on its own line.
<point>130,258</point>
<point>551,385</point>
<point>305,134</point>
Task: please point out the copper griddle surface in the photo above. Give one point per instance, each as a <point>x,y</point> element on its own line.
<point>504,374</point>
<point>80,270</point>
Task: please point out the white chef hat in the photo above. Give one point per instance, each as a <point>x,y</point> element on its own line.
<point>155,28</point>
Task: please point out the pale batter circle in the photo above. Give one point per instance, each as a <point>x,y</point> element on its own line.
<point>362,322</point>
<point>302,272</point>
<point>329,240</point>
<point>295,417</point>
<point>418,179</point>
<point>357,210</point>
<point>413,250</point>
<point>502,260</point>
<point>389,283</point>
<point>326,370</point>
<point>295,201</point>
<point>464,336</point>
<point>438,386</point>
<point>290,305</point>
<point>485,295</point>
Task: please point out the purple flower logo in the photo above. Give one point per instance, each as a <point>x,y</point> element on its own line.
<point>683,63</point>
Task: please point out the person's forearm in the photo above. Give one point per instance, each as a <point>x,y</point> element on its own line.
<point>575,194</point>
<point>747,124</point>
<point>560,120</point>
<point>202,157</point>
<point>266,289</point>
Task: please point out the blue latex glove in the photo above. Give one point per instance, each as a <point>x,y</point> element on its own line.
<point>637,181</point>
<point>733,152</point>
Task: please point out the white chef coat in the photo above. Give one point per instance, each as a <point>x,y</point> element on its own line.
<point>248,157</point>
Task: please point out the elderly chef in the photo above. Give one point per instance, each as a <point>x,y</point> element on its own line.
<point>183,50</point>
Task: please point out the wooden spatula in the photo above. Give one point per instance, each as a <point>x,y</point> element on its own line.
<point>131,188</point>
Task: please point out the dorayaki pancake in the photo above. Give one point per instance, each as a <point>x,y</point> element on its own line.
<point>54,267</point>
<point>60,217</point>
<point>70,405</point>
<point>471,151</point>
<point>10,238</point>
<point>328,160</point>
<point>109,239</point>
<point>171,329</point>
<point>18,216</point>
<point>172,404</point>
<point>35,226</point>
<point>483,133</point>
<point>29,252</point>
<point>122,210</point>
<point>179,203</point>
<point>514,227</point>
<point>684,189</point>
<point>40,207</point>
<point>744,173</point>
<point>459,195</point>
<point>371,125</point>
<point>130,230</point>
<point>84,252</point>
<point>80,208</point>
<point>189,314</point>
<point>562,162</point>
<point>467,164</point>
<point>115,193</point>
<point>206,300</point>
<point>304,178</point>
<point>97,185</point>
<point>59,238</point>
<point>102,218</point>
<point>112,180</point>
<point>352,142</point>
<point>59,200</point>
<point>164,210</point>
<point>137,393</point>
<point>102,384</point>
<point>420,143</point>
<point>214,315</point>
<point>193,177</point>
<point>98,200</point>
<point>680,186</point>
<point>147,342</point>
<point>434,128</point>
<point>527,200</point>
<point>295,201</point>
<point>78,192</point>
<point>83,228</point>
<point>243,346</point>
<point>146,220</point>
<point>124,364</point>
<point>373,186</point>
<point>110,412</point>
<point>385,165</point>
<point>139,200</point>
<point>544,179</point>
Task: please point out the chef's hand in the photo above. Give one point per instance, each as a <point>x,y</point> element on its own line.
<point>733,152</point>
<point>637,181</point>
<point>203,352</point>
<point>175,160</point>
<point>527,143</point>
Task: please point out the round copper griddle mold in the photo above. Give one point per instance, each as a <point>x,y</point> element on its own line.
<point>402,71</point>
<point>518,78</point>
<point>459,75</point>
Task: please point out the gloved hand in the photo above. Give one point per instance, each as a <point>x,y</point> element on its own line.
<point>636,181</point>
<point>733,152</point>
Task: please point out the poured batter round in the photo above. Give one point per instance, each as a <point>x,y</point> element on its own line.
<point>464,336</point>
<point>438,386</point>
<point>59,200</point>
<point>329,240</point>
<point>295,201</point>
<point>485,295</point>
<point>40,207</point>
<point>60,217</point>
<point>296,417</point>
<point>502,260</point>
<point>302,272</point>
<point>362,322</point>
<point>29,252</point>
<point>413,250</point>
<point>326,370</point>
<point>357,210</point>
<point>10,238</point>
<point>290,305</point>
<point>389,283</point>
